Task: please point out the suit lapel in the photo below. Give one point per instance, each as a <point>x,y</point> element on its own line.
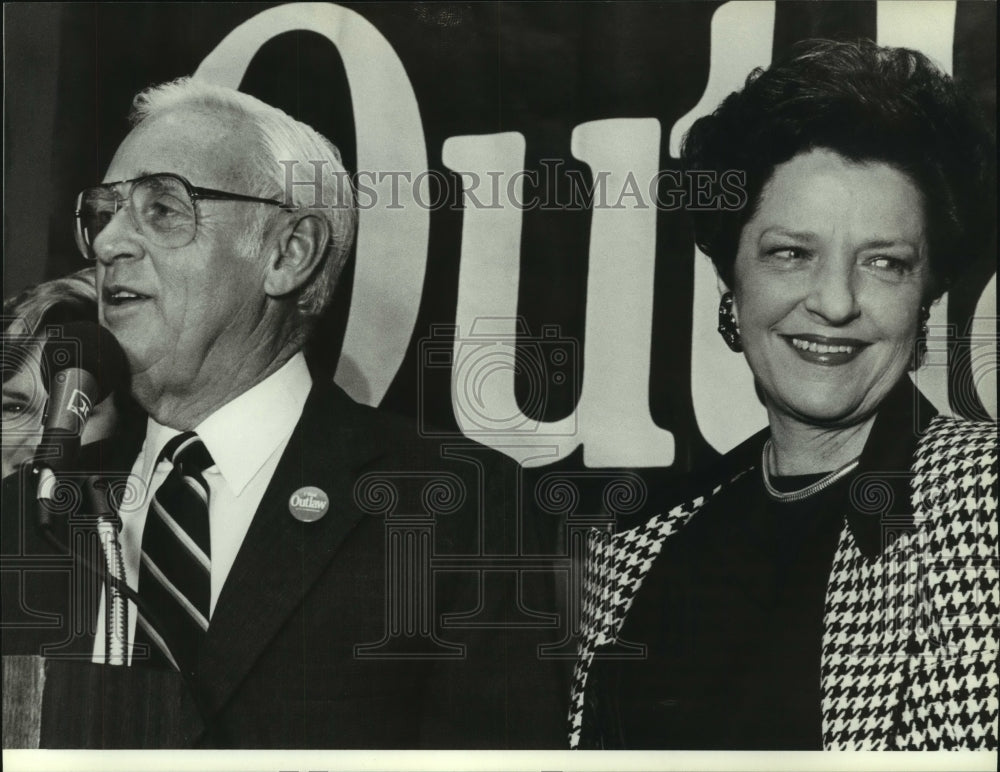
<point>866,642</point>
<point>281,557</point>
<point>616,565</point>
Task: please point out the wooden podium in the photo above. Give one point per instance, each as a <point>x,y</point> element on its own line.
<point>62,703</point>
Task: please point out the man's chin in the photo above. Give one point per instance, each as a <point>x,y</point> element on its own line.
<point>146,388</point>
<point>142,362</point>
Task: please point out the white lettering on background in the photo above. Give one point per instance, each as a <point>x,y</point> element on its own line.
<point>612,419</point>
<point>393,231</point>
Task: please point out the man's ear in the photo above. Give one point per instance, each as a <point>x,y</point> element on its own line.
<point>297,254</point>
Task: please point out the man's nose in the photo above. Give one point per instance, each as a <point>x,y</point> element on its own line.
<point>119,239</point>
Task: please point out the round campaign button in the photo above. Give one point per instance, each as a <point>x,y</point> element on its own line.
<point>308,504</point>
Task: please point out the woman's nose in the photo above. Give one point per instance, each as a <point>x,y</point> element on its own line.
<point>833,295</point>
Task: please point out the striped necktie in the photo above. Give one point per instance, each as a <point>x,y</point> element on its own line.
<point>175,570</point>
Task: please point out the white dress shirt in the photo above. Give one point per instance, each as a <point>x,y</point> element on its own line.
<point>246,438</point>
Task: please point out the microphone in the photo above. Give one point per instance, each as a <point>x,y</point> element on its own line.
<point>84,365</point>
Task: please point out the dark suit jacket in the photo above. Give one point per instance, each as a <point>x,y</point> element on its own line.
<point>377,626</point>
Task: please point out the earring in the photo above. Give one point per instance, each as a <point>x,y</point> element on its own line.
<point>728,327</point>
<point>921,344</point>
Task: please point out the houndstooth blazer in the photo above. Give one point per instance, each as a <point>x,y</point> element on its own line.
<point>910,642</point>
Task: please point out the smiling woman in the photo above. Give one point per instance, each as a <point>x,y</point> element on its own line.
<point>774,599</point>
<point>830,277</point>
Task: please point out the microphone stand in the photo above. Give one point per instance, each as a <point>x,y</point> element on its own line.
<point>50,501</point>
<point>115,602</point>
<point>50,506</point>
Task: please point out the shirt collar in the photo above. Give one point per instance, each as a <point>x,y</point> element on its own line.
<point>242,434</point>
<point>887,460</point>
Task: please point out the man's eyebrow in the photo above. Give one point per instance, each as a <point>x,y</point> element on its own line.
<point>141,173</point>
<point>18,395</point>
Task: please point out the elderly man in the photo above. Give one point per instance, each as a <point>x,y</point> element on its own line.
<point>281,536</point>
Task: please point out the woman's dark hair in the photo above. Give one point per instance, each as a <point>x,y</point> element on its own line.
<point>867,103</point>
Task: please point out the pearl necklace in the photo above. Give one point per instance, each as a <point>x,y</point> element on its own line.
<point>766,456</point>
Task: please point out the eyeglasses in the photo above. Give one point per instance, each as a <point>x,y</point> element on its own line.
<point>162,208</point>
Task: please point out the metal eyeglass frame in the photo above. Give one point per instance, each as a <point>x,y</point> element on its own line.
<point>194,193</point>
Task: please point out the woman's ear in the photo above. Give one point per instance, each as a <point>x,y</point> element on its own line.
<point>299,250</point>
<point>723,289</point>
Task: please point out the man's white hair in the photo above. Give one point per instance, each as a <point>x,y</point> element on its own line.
<point>282,141</point>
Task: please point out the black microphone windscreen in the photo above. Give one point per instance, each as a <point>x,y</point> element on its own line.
<point>87,346</point>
